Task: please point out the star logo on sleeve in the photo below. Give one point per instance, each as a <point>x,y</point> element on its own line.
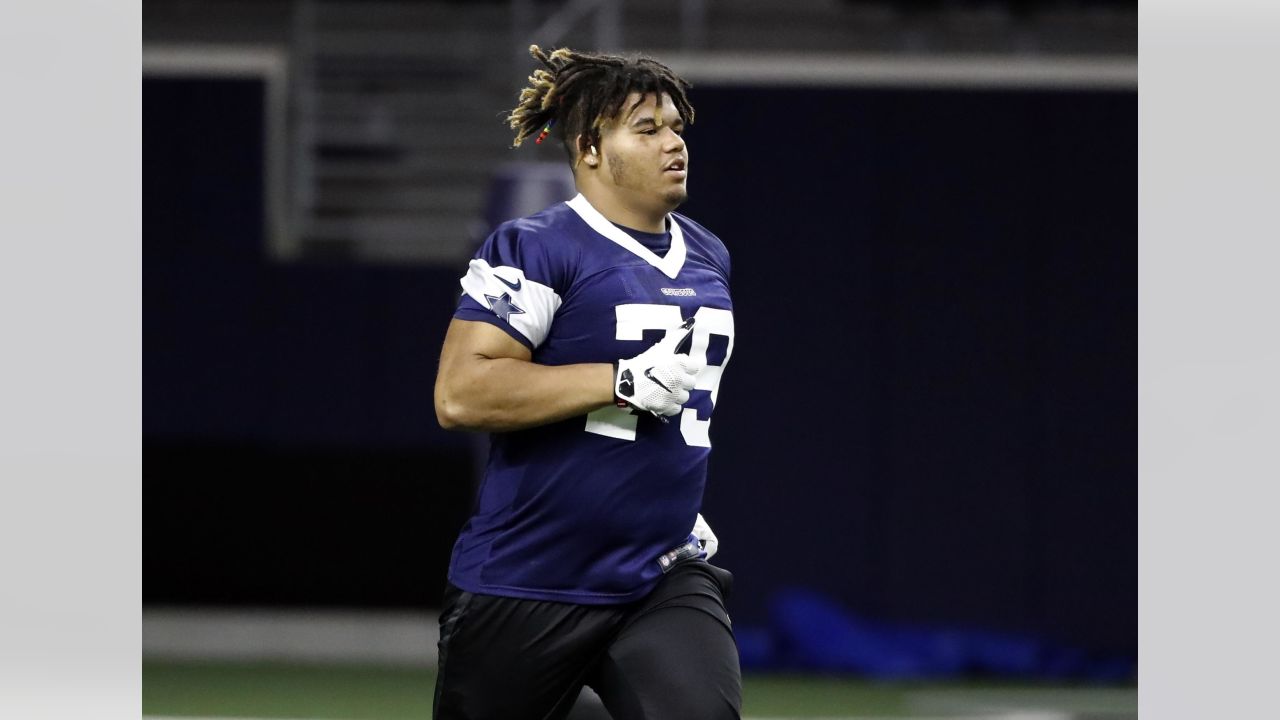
<point>502,306</point>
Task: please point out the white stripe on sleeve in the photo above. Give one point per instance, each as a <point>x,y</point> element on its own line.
<point>529,306</point>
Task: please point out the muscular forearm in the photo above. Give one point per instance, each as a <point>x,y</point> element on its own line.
<point>500,394</point>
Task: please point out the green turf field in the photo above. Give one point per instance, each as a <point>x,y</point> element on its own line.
<point>362,692</point>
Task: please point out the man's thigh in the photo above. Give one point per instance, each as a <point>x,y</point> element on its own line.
<point>506,658</point>
<point>676,658</point>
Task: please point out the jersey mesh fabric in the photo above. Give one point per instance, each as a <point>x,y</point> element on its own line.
<point>581,510</point>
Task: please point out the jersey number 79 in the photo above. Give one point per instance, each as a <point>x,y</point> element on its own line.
<point>633,320</point>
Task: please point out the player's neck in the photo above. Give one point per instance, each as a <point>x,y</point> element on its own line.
<point>617,210</point>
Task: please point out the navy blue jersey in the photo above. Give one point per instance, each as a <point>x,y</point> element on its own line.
<point>585,510</point>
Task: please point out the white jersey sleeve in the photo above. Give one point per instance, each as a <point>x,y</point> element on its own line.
<point>527,306</point>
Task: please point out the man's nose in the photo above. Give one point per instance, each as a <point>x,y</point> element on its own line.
<point>674,141</point>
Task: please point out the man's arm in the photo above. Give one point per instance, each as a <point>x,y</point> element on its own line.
<point>487,381</point>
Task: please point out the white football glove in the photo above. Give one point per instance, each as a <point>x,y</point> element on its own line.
<point>659,379</point>
<point>702,531</point>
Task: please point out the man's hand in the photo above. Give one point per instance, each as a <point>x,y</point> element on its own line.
<point>702,531</point>
<point>659,379</point>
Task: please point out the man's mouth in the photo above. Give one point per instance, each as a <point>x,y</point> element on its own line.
<point>675,166</point>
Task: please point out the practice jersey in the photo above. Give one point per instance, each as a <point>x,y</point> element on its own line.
<point>588,510</point>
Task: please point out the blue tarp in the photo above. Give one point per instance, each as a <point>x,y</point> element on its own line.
<point>813,633</point>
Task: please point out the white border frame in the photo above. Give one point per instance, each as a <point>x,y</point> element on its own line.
<point>271,65</point>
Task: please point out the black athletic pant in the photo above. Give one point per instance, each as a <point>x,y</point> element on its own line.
<point>667,657</point>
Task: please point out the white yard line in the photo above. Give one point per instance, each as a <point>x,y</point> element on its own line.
<point>1063,702</point>
<point>1015,715</point>
<point>1011,715</point>
<point>290,635</point>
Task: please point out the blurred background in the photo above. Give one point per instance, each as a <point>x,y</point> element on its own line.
<point>932,213</point>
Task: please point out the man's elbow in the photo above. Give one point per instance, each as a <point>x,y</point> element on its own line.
<point>457,409</point>
<point>451,413</point>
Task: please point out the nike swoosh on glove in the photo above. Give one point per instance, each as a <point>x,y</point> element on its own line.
<point>659,379</point>
<point>702,531</point>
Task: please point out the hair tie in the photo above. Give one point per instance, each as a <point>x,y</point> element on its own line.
<point>545,130</point>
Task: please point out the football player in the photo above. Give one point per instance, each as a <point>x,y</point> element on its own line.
<point>590,341</point>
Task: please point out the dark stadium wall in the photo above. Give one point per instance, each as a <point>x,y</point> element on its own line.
<point>929,415</point>
<point>938,290</point>
<point>291,452</point>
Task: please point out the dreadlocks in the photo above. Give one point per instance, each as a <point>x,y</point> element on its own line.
<point>577,93</point>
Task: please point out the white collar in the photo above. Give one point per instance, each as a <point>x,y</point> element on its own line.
<point>669,265</point>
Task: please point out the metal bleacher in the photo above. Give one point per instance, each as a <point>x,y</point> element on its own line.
<point>395,119</point>
<point>398,108</point>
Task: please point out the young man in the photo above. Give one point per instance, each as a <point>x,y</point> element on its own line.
<point>590,341</point>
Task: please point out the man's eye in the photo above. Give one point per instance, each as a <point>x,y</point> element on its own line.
<point>651,131</point>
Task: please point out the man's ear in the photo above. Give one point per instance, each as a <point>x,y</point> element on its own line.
<point>587,152</point>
